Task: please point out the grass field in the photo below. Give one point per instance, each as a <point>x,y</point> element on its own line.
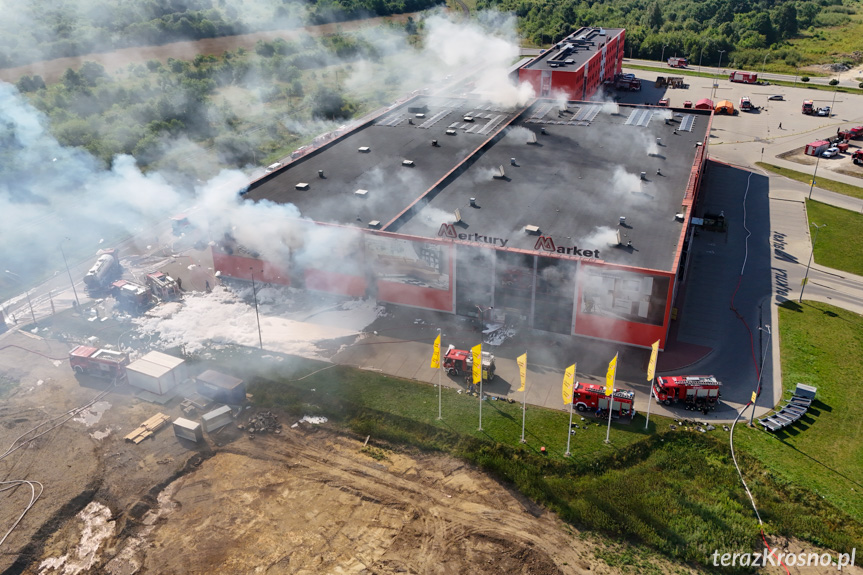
<point>823,183</point>
<point>673,491</point>
<point>840,243</point>
<point>822,346</point>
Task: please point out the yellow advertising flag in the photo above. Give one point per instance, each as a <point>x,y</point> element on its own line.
<point>568,378</point>
<point>435,362</point>
<point>609,377</point>
<point>754,397</point>
<point>476,356</point>
<point>522,369</point>
<point>651,367</point>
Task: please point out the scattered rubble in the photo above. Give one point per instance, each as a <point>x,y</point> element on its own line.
<point>262,422</point>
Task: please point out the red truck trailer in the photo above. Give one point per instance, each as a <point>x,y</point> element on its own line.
<point>743,77</point>
<point>694,391</point>
<point>98,362</point>
<point>591,397</point>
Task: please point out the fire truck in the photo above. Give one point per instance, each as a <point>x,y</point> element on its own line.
<point>98,362</point>
<point>131,295</point>
<point>808,107</point>
<point>591,397</point>
<point>677,62</point>
<point>695,391</point>
<point>458,361</point>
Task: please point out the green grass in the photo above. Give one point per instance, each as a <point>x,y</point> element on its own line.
<point>822,345</point>
<point>679,72</point>
<point>823,183</point>
<point>839,244</point>
<point>675,492</point>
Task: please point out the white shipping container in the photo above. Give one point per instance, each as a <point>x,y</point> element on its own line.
<point>188,429</point>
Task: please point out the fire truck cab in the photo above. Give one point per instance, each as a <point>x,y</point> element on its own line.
<point>104,363</point>
<point>696,391</point>
<point>591,397</point>
<point>458,361</point>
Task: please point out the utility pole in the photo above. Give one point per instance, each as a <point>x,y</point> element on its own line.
<point>257,317</point>
<point>757,391</point>
<point>74,291</point>
<point>811,254</point>
<point>812,183</point>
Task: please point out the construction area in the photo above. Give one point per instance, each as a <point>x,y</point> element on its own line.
<point>266,494</point>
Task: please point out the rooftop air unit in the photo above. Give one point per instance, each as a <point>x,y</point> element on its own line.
<point>531,137</point>
<point>364,149</point>
<point>499,174</point>
<point>532,230</point>
<point>450,132</point>
<point>375,224</point>
<point>408,163</point>
<point>361,193</point>
<point>302,186</point>
<point>456,216</point>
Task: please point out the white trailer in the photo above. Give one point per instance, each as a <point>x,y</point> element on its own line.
<point>156,372</point>
<point>188,429</point>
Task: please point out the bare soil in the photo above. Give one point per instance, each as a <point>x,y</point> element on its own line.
<point>52,70</point>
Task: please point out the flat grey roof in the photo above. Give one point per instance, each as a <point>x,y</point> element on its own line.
<point>576,182</point>
<point>390,140</point>
<point>573,51</point>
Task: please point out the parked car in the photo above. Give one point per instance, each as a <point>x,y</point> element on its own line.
<point>830,152</point>
<point>778,97</point>
<point>825,111</point>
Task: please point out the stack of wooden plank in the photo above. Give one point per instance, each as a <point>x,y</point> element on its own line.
<point>148,428</point>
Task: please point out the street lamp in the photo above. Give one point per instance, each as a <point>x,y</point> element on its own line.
<point>812,183</point>
<point>257,317</point>
<point>29,303</point>
<point>74,291</point>
<point>701,56</point>
<point>760,373</point>
<point>721,52</point>
<point>796,71</point>
<point>764,63</point>
<point>662,57</point>
<point>811,254</point>
<point>833,103</point>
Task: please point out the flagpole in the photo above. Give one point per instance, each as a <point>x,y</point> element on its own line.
<point>569,431</point>
<point>650,396</point>
<point>523,412</point>
<point>610,405</point>
<point>480,395</point>
<point>439,368</point>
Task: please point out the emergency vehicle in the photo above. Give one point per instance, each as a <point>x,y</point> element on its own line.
<point>98,362</point>
<point>695,391</point>
<point>591,397</point>
<point>458,361</point>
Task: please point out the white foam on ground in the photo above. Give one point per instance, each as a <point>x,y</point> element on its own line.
<point>313,419</point>
<point>97,528</point>
<point>221,317</point>
<point>93,414</point>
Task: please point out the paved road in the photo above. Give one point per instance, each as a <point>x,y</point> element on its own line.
<point>849,80</point>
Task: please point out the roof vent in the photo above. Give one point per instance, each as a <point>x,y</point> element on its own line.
<point>468,118</point>
<point>473,202</point>
<point>542,130</point>
<point>420,115</point>
<point>408,163</point>
<point>532,230</point>
<point>302,186</point>
<point>361,193</point>
<point>450,132</point>
<point>364,149</point>
<point>643,175</point>
<point>623,218</point>
<point>512,162</point>
<point>499,174</point>
<point>321,174</point>
<point>456,216</point>
<point>434,143</point>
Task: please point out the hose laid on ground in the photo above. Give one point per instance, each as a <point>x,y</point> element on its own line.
<point>33,498</point>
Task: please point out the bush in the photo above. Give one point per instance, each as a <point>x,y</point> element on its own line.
<point>834,82</point>
<point>860,85</point>
<point>804,79</point>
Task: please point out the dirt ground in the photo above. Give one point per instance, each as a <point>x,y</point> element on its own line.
<point>51,70</point>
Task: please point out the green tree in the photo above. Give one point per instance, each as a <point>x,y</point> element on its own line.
<point>653,17</point>
<point>787,20</point>
<point>807,13</point>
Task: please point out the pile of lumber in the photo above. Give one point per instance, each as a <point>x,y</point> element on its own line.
<point>148,428</point>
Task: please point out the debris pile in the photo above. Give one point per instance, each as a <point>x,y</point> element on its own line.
<point>262,422</point>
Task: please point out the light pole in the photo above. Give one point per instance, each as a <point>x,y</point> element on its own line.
<point>662,57</point>
<point>701,56</point>
<point>257,317</point>
<point>812,183</point>
<point>764,63</point>
<point>833,103</point>
<point>796,70</point>
<point>721,52</point>
<point>811,254</point>
<point>29,303</point>
<point>74,291</point>
<point>760,373</point>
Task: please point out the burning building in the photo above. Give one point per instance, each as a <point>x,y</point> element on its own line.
<point>577,66</point>
<point>570,217</point>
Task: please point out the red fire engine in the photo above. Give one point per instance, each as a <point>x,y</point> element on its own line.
<point>98,362</point>
<point>696,391</point>
<point>591,397</point>
<point>457,361</point>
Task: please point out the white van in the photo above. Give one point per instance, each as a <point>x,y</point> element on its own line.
<point>274,167</point>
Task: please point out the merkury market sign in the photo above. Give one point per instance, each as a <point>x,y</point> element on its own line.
<point>543,243</point>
